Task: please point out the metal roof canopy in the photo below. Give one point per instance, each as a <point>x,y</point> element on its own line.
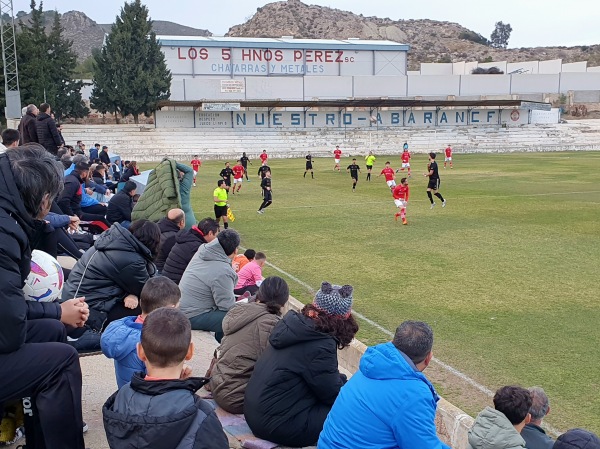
<point>366,103</point>
<point>284,43</point>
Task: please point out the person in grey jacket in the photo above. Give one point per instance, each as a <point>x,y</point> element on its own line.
<point>207,283</point>
<point>500,427</point>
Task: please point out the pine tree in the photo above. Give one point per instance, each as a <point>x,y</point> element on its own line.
<point>64,93</point>
<point>46,65</point>
<point>130,72</point>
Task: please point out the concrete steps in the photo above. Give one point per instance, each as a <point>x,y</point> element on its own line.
<point>146,143</point>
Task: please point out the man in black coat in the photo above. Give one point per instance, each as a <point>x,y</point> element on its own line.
<point>35,360</point>
<point>47,132</point>
<point>70,199</point>
<point>186,245</point>
<point>121,205</point>
<point>27,126</point>
<point>169,227</point>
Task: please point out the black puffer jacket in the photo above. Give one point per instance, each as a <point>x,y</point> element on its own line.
<point>162,414</point>
<point>17,230</point>
<point>119,208</point>
<point>168,237</point>
<point>117,265</point>
<point>47,133</point>
<point>186,245</point>
<point>294,384</point>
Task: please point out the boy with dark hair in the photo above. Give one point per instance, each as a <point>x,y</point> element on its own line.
<point>121,205</point>
<point>226,175</point>
<point>500,427</point>
<point>354,170</point>
<point>238,176</point>
<point>401,193</point>
<point>160,409</point>
<point>10,138</point>
<point>267,193</point>
<point>390,177</point>
<point>434,181</point>
<point>309,166</point>
<point>196,164</point>
<point>121,337</point>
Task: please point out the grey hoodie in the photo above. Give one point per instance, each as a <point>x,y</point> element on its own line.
<point>207,282</point>
<point>493,430</point>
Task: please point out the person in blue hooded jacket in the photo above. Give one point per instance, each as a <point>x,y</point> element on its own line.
<point>119,340</point>
<point>388,403</point>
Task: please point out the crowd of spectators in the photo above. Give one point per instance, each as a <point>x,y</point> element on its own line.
<point>140,287</point>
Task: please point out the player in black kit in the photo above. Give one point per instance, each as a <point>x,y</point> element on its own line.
<point>309,167</point>
<point>245,159</point>
<point>267,194</point>
<point>262,170</point>
<point>226,175</point>
<point>354,170</point>
<point>434,181</point>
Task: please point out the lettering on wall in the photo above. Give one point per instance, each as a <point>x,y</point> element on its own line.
<point>343,119</point>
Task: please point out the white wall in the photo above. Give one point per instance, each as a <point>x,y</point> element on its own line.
<point>432,68</point>
<point>575,67</point>
<point>579,81</point>
<point>528,67</point>
<point>484,85</point>
<point>269,88</point>
<point>532,84</point>
<point>487,65</point>
<point>382,86</point>
<point>426,85</point>
<point>323,87</point>
<point>550,67</point>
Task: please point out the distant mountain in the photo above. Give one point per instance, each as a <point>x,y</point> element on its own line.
<point>429,40</point>
<point>87,34</point>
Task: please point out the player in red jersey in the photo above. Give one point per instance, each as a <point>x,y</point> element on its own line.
<point>389,174</point>
<point>238,176</point>
<point>448,157</point>
<point>337,154</point>
<point>263,157</point>
<point>405,158</point>
<point>196,164</point>
<point>401,193</point>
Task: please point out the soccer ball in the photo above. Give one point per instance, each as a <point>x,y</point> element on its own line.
<point>46,279</point>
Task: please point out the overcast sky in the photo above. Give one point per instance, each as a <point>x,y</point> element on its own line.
<point>534,22</point>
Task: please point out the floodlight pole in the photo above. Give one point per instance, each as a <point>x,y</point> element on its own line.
<point>9,58</point>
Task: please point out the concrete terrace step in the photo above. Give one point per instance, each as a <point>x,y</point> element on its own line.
<point>146,143</point>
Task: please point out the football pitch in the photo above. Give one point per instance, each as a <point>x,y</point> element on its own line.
<point>507,274</point>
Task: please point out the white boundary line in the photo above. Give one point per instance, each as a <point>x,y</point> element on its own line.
<point>445,366</point>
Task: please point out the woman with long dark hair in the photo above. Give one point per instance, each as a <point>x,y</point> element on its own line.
<point>247,328</point>
<point>296,380</point>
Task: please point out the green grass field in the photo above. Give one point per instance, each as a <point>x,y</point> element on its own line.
<point>506,274</point>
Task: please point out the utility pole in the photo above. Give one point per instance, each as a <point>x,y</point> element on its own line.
<point>12,108</point>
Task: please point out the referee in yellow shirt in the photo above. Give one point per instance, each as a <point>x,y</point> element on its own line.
<point>220,199</point>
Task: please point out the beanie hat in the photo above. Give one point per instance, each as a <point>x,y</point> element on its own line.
<point>334,300</point>
<point>577,439</point>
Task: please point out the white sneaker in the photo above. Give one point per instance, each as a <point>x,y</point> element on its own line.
<point>194,184</point>
<point>432,205</point>
<point>260,212</point>
<point>444,203</point>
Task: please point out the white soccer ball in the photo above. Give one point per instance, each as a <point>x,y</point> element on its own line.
<point>46,279</point>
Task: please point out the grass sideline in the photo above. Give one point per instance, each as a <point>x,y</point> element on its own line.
<point>506,274</point>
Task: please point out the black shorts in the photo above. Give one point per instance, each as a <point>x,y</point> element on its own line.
<point>434,184</point>
<point>354,177</point>
<point>227,182</point>
<point>267,195</point>
<point>309,165</point>
<point>369,167</point>
<point>220,211</point>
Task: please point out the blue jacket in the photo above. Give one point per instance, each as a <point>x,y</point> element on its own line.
<point>393,403</point>
<point>118,342</point>
<point>57,220</point>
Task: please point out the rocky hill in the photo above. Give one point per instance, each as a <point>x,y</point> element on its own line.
<point>430,40</point>
<point>87,34</point>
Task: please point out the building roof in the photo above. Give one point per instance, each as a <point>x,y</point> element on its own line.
<point>368,102</point>
<point>285,42</point>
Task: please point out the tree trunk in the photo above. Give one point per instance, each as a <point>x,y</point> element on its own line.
<point>117,120</point>
<point>136,119</point>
